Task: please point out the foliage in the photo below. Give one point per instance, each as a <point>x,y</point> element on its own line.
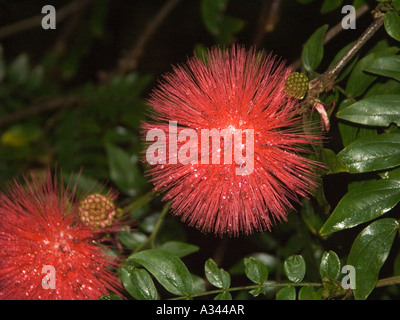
<point>50,117</point>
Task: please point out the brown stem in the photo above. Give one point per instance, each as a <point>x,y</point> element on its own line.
<point>334,71</point>
<point>334,31</point>
<point>40,108</point>
<point>380,283</point>
<point>35,21</point>
<point>126,64</point>
<point>129,61</point>
<point>326,81</point>
<point>387,282</point>
<point>269,17</point>
<point>61,45</point>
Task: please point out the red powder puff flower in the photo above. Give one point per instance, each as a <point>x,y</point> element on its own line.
<point>221,100</point>
<point>45,251</point>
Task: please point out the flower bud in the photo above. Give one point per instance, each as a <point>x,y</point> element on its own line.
<point>296,85</point>
<point>97,211</point>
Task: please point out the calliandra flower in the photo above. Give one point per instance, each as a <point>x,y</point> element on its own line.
<point>45,251</point>
<point>237,91</point>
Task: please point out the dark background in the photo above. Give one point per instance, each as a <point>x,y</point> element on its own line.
<point>172,43</point>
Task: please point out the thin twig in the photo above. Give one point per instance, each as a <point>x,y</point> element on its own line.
<point>152,238</point>
<point>387,282</point>
<point>126,64</point>
<point>334,31</point>
<point>146,198</point>
<point>35,21</point>
<point>130,60</point>
<point>250,287</point>
<point>326,81</point>
<point>269,17</point>
<point>63,102</point>
<point>61,44</point>
<point>380,283</point>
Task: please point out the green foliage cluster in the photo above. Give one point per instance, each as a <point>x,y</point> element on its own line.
<point>97,129</point>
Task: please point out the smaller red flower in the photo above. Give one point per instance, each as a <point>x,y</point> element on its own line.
<point>46,252</point>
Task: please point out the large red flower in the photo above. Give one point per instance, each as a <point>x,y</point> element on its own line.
<point>233,90</point>
<point>45,251</point>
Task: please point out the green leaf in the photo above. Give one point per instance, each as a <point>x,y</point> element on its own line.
<point>309,293</point>
<point>372,153</point>
<point>309,216</point>
<point>35,79</point>
<point>386,66</point>
<point>218,277</point>
<point>255,270</point>
<point>268,260</point>
<point>369,201</point>
<point>138,283</point>
<point>313,50</point>
<point>390,86</point>
<point>212,14</point>
<point>124,171</point>
<point>167,268</point>
<point>257,291</point>
<point>392,24</point>
<point>358,3</point>
<point>109,297</point>
<point>333,163</point>
<point>2,64</point>
<point>131,239</point>
<point>229,26</point>
<point>391,174</point>
<point>222,26</point>
<point>396,4</point>
<point>226,295</point>
<point>330,5</point>
<point>286,293</point>
<point>373,111</point>
<point>180,249</point>
<point>343,74</point>
<point>330,265</point>
<point>359,80</point>
<point>199,284</point>
<point>20,135</point>
<point>331,288</point>
<point>295,268</point>
<point>348,132</point>
<point>369,252</point>
<point>18,70</point>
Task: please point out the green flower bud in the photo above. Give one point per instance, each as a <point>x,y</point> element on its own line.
<point>296,85</point>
